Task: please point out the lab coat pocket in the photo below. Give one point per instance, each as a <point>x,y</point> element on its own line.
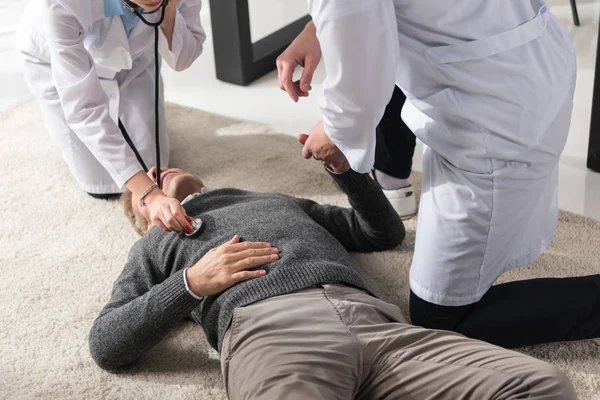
<point>442,102</point>
<point>440,122</point>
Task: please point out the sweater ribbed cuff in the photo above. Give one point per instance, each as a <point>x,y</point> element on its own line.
<point>353,182</point>
<point>174,296</point>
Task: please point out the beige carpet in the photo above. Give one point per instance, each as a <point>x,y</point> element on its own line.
<point>61,250</point>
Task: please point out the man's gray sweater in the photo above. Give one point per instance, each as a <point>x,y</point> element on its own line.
<point>149,297</point>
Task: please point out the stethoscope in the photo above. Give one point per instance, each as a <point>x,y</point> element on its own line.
<point>134,8</point>
<point>197,224</point>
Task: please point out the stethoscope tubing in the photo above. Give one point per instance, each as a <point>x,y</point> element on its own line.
<point>140,14</point>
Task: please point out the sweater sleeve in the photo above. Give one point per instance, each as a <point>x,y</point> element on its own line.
<point>370,225</point>
<point>143,307</point>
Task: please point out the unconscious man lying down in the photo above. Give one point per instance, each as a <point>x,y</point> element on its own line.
<point>270,281</point>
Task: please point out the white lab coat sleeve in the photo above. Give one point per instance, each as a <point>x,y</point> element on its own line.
<point>359,42</point>
<point>84,103</point>
<point>188,36</point>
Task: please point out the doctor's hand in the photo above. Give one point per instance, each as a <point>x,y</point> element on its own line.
<point>228,264</point>
<point>318,145</point>
<point>166,212</point>
<point>305,51</point>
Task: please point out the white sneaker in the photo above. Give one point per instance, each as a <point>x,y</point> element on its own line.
<point>403,200</point>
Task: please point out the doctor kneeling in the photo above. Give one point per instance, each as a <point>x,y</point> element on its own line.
<point>489,88</point>
<point>91,66</point>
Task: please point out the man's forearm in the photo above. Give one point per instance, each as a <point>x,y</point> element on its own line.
<point>374,215</point>
<point>128,327</point>
<point>370,225</point>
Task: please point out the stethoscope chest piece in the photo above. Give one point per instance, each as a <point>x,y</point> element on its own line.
<point>196,226</point>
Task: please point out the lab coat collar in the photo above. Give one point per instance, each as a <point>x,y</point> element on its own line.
<point>116,8</point>
<point>108,45</point>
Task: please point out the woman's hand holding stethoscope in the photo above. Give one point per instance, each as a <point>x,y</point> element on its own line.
<point>167,213</point>
<point>159,209</point>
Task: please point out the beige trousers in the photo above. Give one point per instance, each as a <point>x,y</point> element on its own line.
<point>336,342</point>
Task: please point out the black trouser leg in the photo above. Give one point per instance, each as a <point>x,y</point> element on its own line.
<point>104,196</point>
<point>396,143</point>
<point>521,313</point>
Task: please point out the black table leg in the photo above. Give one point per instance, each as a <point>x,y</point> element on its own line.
<point>237,59</point>
<point>593,161</point>
<point>575,13</point>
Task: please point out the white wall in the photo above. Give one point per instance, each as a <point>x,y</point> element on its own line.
<point>267,16</point>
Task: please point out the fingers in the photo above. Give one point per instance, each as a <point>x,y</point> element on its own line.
<point>235,247</point>
<point>310,65</point>
<point>279,64</point>
<point>234,239</point>
<point>253,262</point>
<point>180,218</point>
<point>306,153</point>
<point>160,224</point>
<point>250,253</point>
<point>247,275</point>
<point>285,80</point>
<point>168,214</point>
<point>299,91</point>
<point>247,255</point>
<point>302,138</point>
<point>170,221</point>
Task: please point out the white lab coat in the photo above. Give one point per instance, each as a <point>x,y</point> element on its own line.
<point>490,87</point>
<point>87,74</point>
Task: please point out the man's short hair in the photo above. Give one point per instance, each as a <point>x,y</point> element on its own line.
<point>139,223</point>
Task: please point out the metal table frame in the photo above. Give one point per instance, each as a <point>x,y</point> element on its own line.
<point>593,159</point>
<point>237,59</point>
